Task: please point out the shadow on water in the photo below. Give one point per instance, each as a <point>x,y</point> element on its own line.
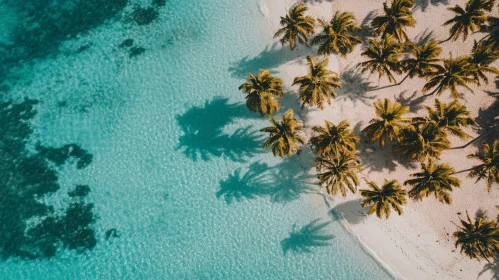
<point>32,229</point>
<point>282,183</point>
<point>45,24</point>
<point>423,4</point>
<point>304,239</point>
<point>204,137</point>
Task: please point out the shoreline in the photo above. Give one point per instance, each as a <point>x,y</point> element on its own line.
<point>418,244</point>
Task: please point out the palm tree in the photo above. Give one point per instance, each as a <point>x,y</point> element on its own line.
<point>468,19</point>
<point>296,26</point>
<point>338,173</point>
<point>493,29</point>
<point>390,122</point>
<point>423,61</point>
<point>396,18</point>
<point>451,117</point>
<point>482,55</point>
<point>434,178</point>
<point>261,91</point>
<point>383,58</point>
<point>337,35</point>
<point>423,140</point>
<point>318,85</point>
<point>489,168</point>
<point>478,239</point>
<point>390,195</point>
<point>333,140</point>
<point>285,135</point>
<point>456,72</point>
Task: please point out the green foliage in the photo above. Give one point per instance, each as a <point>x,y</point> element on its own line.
<point>397,17</point>
<point>482,55</point>
<point>339,173</point>
<point>468,19</point>
<point>423,60</point>
<point>317,86</point>
<point>451,117</point>
<point>261,92</point>
<point>423,140</point>
<point>478,239</point>
<point>296,26</point>
<point>285,135</point>
<point>383,199</point>
<point>456,72</point>
<point>434,178</point>
<point>383,57</point>
<point>390,122</point>
<point>333,140</point>
<point>337,35</point>
<point>489,168</point>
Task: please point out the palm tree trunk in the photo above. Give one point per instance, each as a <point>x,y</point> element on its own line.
<point>462,171</point>
<point>478,137</point>
<point>450,37</point>
<point>408,74</point>
<point>424,96</point>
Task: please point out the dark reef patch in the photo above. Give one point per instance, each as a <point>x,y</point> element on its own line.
<point>143,16</point>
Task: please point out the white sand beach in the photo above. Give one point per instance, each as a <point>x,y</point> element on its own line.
<point>419,244</point>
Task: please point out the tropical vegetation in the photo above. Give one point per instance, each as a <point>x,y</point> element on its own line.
<point>339,173</point>
<point>467,19</point>
<point>451,117</point>
<point>478,239</point>
<point>334,140</point>
<point>383,58</point>
<point>396,18</point>
<point>383,199</point>
<point>296,27</point>
<point>261,92</point>
<point>285,136</point>
<point>488,169</point>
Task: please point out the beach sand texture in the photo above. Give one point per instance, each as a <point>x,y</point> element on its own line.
<point>419,244</point>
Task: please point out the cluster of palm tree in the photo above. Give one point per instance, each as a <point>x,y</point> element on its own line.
<point>422,139</point>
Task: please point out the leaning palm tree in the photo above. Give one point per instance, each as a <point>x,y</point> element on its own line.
<point>334,140</point>
<point>390,122</point>
<point>478,239</point>
<point>456,72</point>
<point>489,168</point>
<point>396,18</point>
<point>433,178</point>
<point>262,91</point>
<point>383,57</point>
<point>285,135</point>
<point>296,26</point>
<point>338,173</point>
<point>467,19</point>
<point>423,60</point>
<point>422,140</point>
<point>337,35</point>
<point>451,117</point>
<point>317,86</point>
<point>390,195</point>
<point>482,55</point>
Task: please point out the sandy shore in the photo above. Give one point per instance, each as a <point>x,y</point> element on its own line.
<point>419,244</point>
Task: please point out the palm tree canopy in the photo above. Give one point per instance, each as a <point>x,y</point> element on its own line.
<point>317,86</point>
<point>390,121</point>
<point>424,59</point>
<point>482,55</point>
<point>338,173</point>
<point>468,19</point>
<point>396,18</point>
<point>285,135</point>
<point>334,140</point>
<point>493,29</point>
<point>261,92</point>
<point>383,199</point>
<point>296,26</point>
<point>383,57</point>
<point>337,35</point>
<point>434,178</point>
<point>423,140</point>
<point>478,239</point>
<point>489,168</point>
<point>451,117</point>
<point>456,72</point>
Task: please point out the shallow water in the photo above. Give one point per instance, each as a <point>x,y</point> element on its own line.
<point>176,168</point>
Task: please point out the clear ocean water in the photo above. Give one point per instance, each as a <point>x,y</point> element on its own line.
<point>179,187</point>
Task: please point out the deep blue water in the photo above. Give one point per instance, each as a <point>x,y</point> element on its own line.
<point>141,106</point>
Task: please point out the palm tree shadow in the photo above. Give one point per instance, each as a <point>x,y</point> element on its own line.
<point>272,57</point>
<point>423,4</point>
<point>355,86</point>
<point>493,268</point>
<point>411,101</point>
<point>203,136</point>
<point>350,210</point>
<point>424,37</point>
<point>488,118</point>
<point>366,30</point>
<point>303,239</point>
<point>244,186</point>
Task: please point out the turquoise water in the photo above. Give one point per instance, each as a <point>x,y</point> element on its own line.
<point>176,167</point>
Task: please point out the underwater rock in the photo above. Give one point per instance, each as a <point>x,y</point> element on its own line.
<point>111,233</point>
<point>144,16</point>
<point>80,191</point>
<point>126,43</point>
<point>136,51</point>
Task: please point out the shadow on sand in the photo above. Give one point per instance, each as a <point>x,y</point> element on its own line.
<point>350,211</point>
<point>304,239</point>
<point>423,4</point>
